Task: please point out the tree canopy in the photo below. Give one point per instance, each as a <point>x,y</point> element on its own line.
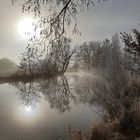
<point>132,50</point>
<point>61,14</point>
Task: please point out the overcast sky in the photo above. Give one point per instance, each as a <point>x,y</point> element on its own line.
<point>102,21</point>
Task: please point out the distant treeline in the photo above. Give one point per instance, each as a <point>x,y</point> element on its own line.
<point>61,55</point>
<point>105,54</point>
<point>52,60</point>
<point>7,64</point>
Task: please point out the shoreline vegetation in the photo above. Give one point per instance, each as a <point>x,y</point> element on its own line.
<point>25,78</point>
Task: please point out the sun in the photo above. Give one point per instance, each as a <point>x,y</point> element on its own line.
<point>26,28</point>
<point>28,109</point>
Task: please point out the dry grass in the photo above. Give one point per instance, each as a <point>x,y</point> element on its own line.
<point>122,110</point>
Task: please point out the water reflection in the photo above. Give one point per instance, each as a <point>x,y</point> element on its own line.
<point>58,91</point>
<point>44,108</point>
<point>28,94</point>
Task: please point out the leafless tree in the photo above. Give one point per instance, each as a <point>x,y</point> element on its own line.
<point>132,50</point>
<point>61,14</point>
<point>85,54</point>
<point>58,58</point>
<point>30,60</point>
<point>61,53</point>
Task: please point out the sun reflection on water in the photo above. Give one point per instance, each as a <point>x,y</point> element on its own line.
<point>28,109</point>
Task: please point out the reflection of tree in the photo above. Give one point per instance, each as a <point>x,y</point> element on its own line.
<point>57,93</point>
<point>28,93</point>
<point>81,87</point>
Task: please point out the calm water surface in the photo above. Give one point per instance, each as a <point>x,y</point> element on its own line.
<point>44,109</point>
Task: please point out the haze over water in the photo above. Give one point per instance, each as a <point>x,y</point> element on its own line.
<point>45,109</point>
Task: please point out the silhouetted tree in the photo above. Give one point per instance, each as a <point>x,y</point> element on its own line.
<point>85,54</point>
<point>61,14</point>
<point>30,60</point>
<point>59,56</point>
<point>23,63</point>
<point>101,55</point>
<point>132,50</point>
<point>61,52</point>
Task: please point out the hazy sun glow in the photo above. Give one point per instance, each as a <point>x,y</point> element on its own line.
<point>25,27</point>
<point>28,109</point>
<point>28,114</point>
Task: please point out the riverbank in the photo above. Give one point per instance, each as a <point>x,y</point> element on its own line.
<point>25,78</point>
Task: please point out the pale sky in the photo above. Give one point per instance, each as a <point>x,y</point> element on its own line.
<point>102,21</point>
